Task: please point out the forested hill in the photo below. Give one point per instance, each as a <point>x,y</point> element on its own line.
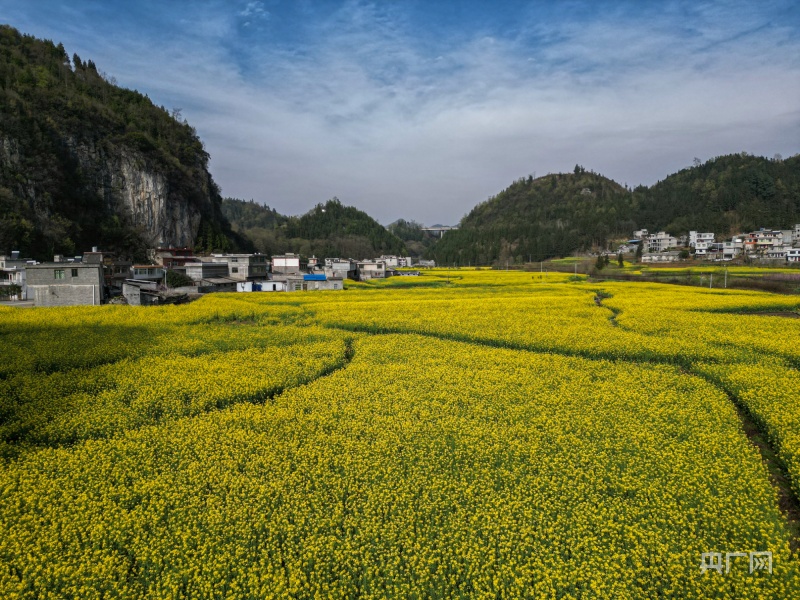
<point>416,240</point>
<point>539,218</point>
<point>727,195</point>
<point>557,215</point>
<point>329,229</point>
<point>84,162</point>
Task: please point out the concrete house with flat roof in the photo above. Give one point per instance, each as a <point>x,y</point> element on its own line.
<point>65,284</point>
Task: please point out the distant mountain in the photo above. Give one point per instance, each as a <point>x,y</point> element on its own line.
<point>726,195</point>
<point>84,162</point>
<point>329,229</point>
<point>557,215</point>
<point>534,219</point>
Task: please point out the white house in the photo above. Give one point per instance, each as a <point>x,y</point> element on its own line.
<point>390,260</point>
<point>732,249</point>
<point>695,237</point>
<point>286,264</point>
<point>778,253</point>
<point>661,241</point>
<point>701,248</point>
<point>343,268</point>
<point>371,269</point>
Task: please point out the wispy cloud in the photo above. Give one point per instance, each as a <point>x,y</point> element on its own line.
<point>254,9</point>
<point>422,121</point>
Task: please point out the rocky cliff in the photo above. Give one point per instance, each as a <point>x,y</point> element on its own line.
<point>84,162</point>
<point>138,190</point>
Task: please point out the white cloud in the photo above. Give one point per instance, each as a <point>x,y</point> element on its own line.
<point>255,10</point>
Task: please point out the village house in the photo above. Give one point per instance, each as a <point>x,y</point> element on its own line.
<point>140,293</point>
<point>115,270</point>
<point>320,281</point>
<point>659,242</point>
<point>218,284</point>
<point>371,269</point>
<point>252,286</point>
<point>65,284</point>
<point>389,260</point>
<point>341,268</point>
<point>13,284</point>
<point>172,258</point>
<point>777,253</point>
<point>393,262</point>
<point>732,249</point>
<point>702,238</point>
<point>764,241</point>
<point>250,267</point>
<point>147,273</point>
<point>286,264</point>
<point>304,282</point>
<point>12,273</point>
<point>271,286</point>
<point>701,248</point>
<point>208,276</point>
<point>200,270</point>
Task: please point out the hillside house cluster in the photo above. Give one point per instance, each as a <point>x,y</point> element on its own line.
<point>97,276</point>
<point>764,244</point>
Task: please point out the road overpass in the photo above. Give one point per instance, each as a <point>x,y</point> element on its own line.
<point>440,229</point>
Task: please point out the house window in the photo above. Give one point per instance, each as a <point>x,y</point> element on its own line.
<point>234,269</point>
<point>74,272</point>
<point>58,273</point>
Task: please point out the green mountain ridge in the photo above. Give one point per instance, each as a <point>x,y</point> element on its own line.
<point>560,214</point>
<point>329,229</point>
<point>727,194</point>
<point>539,218</point>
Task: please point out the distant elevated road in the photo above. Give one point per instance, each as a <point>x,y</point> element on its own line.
<point>440,229</point>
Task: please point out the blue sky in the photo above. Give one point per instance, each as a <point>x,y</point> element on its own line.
<point>422,109</point>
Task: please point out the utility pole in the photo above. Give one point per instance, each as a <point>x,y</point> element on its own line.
<point>710,280</point>
<point>726,279</point>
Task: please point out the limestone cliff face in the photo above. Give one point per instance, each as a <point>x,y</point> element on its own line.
<point>128,184</point>
<point>139,191</point>
<point>85,162</point>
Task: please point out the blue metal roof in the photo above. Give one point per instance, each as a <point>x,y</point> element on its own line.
<point>314,277</point>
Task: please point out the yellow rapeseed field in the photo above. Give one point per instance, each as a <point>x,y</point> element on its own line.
<point>466,433</point>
